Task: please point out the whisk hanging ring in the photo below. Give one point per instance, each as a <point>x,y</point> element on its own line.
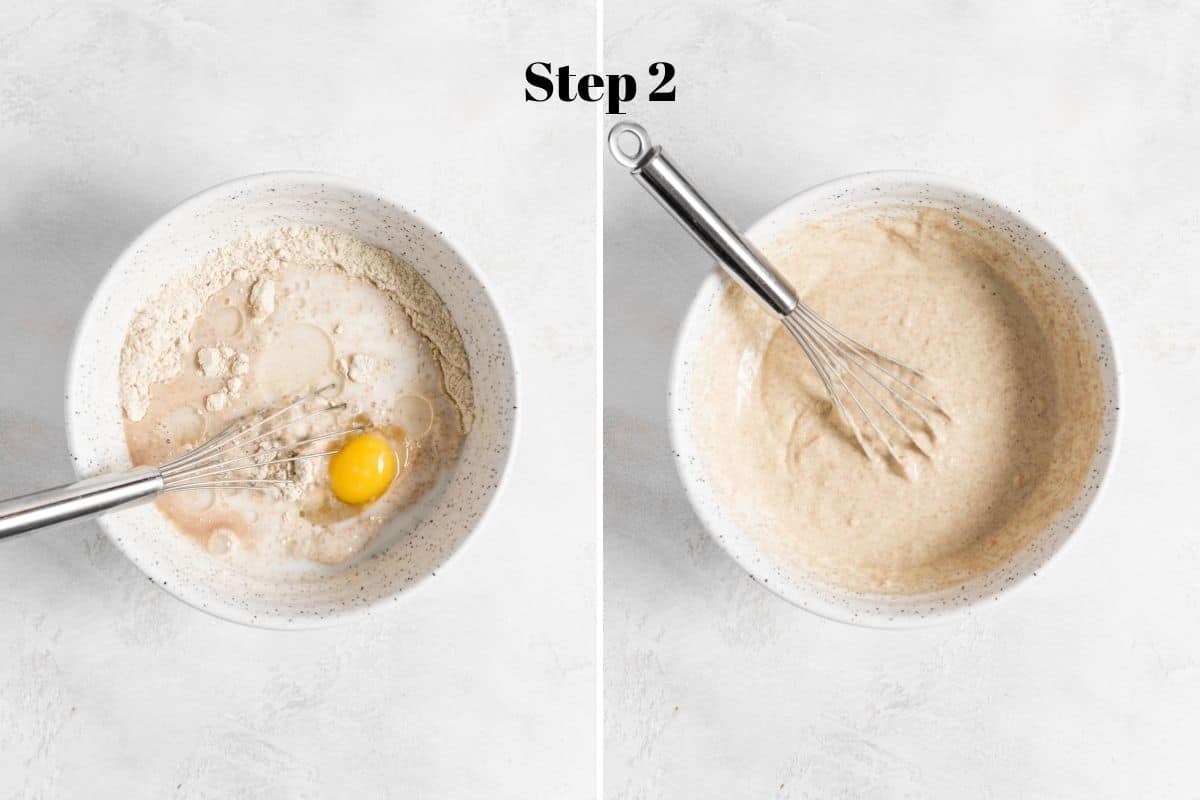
<point>846,367</point>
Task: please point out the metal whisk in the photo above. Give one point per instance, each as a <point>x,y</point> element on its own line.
<point>236,458</point>
<point>856,376</point>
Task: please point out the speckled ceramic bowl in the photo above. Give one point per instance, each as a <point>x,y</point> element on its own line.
<point>207,221</point>
<point>856,192</point>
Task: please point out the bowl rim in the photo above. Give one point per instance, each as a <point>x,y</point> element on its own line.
<point>225,611</point>
<point>713,525</point>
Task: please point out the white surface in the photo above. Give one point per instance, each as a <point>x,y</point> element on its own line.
<point>1084,115</point>
<point>481,684</point>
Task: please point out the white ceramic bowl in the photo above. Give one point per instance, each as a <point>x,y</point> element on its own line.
<point>856,192</point>
<point>207,221</point>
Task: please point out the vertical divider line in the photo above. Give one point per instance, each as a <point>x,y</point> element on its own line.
<point>599,411</point>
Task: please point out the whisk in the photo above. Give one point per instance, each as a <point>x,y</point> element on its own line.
<point>855,376</point>
<point>236,458</point>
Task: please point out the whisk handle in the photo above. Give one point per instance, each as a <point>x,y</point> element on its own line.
<point>84,498</point>
<point>663,180</point>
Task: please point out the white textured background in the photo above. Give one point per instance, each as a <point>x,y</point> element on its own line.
<point>482,683</point>
<point>1086,683</point>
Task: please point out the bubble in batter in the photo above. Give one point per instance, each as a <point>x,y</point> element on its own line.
<point>227,321</point>
<point>221,542</point>
<point>296,359</point>
<point>415,415</point>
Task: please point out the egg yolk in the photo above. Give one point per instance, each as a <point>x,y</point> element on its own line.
<point>363,469</point>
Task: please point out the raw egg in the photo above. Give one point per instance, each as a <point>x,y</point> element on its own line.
<point>363,469</point>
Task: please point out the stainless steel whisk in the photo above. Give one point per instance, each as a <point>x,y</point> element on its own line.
<point>846,367</point>
<point>219,463</point>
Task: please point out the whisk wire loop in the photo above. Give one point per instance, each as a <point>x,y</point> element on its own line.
<point>846,367</point>
<point>221,461</point>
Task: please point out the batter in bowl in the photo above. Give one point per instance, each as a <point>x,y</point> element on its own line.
<point>269,317</point>
<point>1006,356</point>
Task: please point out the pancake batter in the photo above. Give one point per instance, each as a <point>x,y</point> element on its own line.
<point>1006,357</point>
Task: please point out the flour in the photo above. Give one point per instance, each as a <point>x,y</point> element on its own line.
<point>359,367</point>
<point>262,299</point>
<point>223,361</point>
<point>265,318</point>
<point>210,361</point>
<point>157,346</point>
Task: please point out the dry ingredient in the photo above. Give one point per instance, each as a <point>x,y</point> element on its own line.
<point>1006,354</point>
<point>254,322</point>
<point>156,346</point>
